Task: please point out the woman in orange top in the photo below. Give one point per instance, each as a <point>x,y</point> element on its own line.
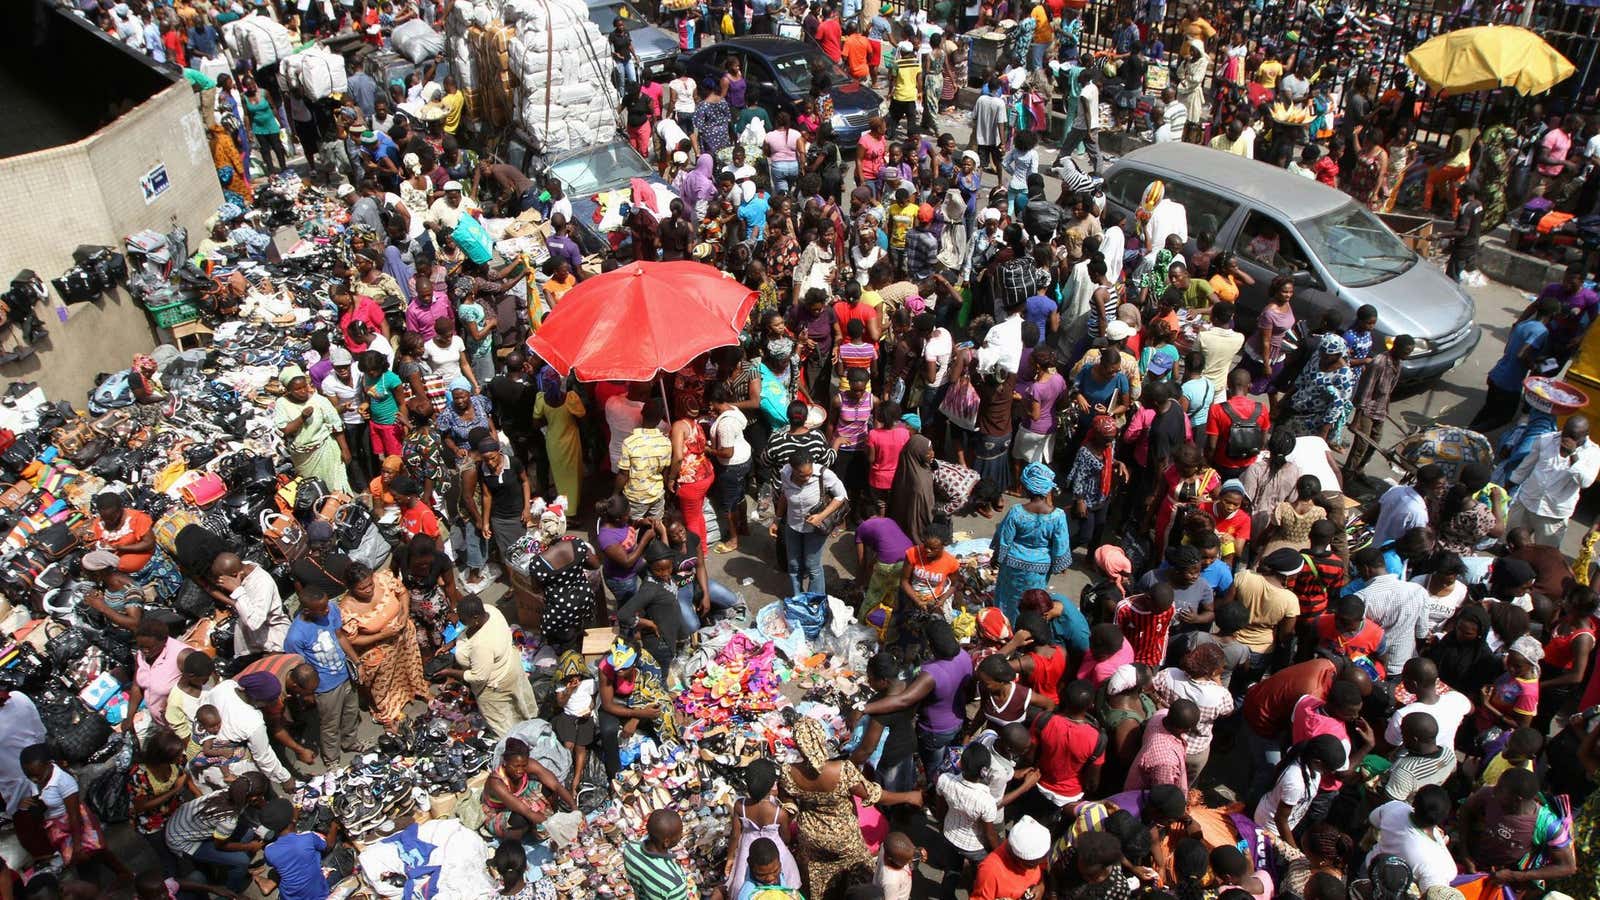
<point>1226,277</point>
<point>129,534</point>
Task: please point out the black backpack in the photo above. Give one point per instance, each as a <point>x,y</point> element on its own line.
<point>1246,437</point>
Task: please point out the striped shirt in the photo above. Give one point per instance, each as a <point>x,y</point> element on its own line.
<point>1146,631</point>
<point>858,356</point>
<point>653,876</point>
<point>198,821</point>
<point>1412,772</point>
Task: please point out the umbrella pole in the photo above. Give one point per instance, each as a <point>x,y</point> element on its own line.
<point>666,406</point>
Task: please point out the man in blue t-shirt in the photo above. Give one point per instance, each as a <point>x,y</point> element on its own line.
<point>297,855</point>
<point>1525,347</point>
<point>314,634</point>
<point>1043,312</point>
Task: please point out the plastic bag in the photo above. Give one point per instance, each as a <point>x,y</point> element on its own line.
<point>543,747</point>
<point>473,239</point>
<point>807,612</point>
<point>772,625</point>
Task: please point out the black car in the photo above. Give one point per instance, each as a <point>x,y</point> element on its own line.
<point>781,70</point>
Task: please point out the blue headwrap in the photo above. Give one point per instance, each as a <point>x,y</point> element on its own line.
<point>550,385</point>
<point>1038,479</point>
<point>459,383</point>
<point>913,420</point>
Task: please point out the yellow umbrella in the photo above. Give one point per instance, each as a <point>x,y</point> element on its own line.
<point>1486,57</point>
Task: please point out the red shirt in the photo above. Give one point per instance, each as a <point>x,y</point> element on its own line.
<point>830,38</point>
<point>419,519</point>
<point>1218,424</point>
<point>364,309</point>
<point>1365,642</point>
<point>173,41</point>
<point>1146,631</point>
<point>1269,704</point>
<point>1065,747</point>
<point>1047,671</point>
<point>844,312</point>
<point>1327,171</point>
<point>1002,876</point>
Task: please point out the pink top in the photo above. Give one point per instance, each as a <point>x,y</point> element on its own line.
<point>1311,721</point>
<point>781,145</point>
<point>1099,670</point>
<point>886,444</point>
<point>421,315</point>
<point>869,156</point>
<point>157,679</point>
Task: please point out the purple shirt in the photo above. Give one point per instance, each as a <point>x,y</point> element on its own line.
<point>944,709</point>
<point>318,371</point>
<point>885,538</point>
<point>420,317</point>
<point>1037,311</point>
<point>1047,392</point>
<point>563,247</point>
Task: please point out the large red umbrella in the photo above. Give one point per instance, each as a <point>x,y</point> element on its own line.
<point>635,322</point>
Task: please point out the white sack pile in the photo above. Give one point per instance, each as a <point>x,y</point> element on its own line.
<point>562,67</point>
<point>257,40</point>
<point>315,72</point>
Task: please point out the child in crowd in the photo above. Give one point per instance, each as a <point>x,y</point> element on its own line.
<point>764,878</point>
<point>574,724</point>
<point>971,812</point>
<point>1145,620</point>
<point>897,866</point>
<point>857,353</point>
<point>1520,751</point>
<point>510,863</point>
<point>757,818</point>
<point>69,825</point>
<point>219,762</point>
<point>296,855</point>
<point>560,281</point>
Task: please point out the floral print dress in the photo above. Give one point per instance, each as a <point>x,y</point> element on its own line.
<point>391,669</point>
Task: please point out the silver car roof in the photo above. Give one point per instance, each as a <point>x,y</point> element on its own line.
<point>1297,198</point>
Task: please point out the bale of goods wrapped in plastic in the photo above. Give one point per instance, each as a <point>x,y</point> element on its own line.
<point>258,40</point>
<point>561,66</point>
<point>315,72</point>
<point>417,41</point>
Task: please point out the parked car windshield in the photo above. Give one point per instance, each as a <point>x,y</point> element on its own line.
<point>603,14</point>
<point>599,169</point>
<point>795,71</point>
<point>1357,249</point>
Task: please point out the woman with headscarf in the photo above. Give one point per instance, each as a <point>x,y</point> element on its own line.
<point>1193,63</point>
<point>559,410</point>
<point>383,643</point>
<point>1322,402</point>
<point>697,186</point>
<point>313,432</point>
<point>1462,654</point>
<point>416,189</point>
<point>828,844</point>
<point>1123,704</point>
<point>142,380</point>
<point>911,496</point>
<point>231,171</point>
<point>1031,543</point>
<point>632,694</point>
<point>1094,472</point>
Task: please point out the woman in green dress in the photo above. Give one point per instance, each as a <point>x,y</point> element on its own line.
<point>1497,156</point>
<point>559,410</point>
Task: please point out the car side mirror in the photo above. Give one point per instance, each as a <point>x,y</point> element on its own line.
<point>1304,279</point>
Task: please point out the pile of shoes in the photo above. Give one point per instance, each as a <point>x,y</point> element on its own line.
<point>373,796</point>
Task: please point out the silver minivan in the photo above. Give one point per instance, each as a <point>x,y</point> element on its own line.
<point>1340,255</point>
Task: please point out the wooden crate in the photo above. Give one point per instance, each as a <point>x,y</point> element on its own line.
<point>1415,232</point>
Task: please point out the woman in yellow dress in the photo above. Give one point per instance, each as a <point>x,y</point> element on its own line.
<point>559,410</point>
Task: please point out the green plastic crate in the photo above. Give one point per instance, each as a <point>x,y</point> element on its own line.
<point>175,313</point>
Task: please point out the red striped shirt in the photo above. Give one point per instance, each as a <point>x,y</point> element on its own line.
<point>1146,631</point>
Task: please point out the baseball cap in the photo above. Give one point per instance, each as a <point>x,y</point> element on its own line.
<point>1119,331</point>
<point>345,190</point>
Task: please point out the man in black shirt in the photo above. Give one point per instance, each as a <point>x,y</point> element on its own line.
<point>513,393</point>
<point>1465,231</point>
<point>653,613</point>
<point>622,54</point>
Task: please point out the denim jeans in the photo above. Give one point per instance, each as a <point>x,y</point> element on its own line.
<point>1036,56</point>
<point>784,174</point>
<point>1265,754</point>
<point>805,560</point>
<point>931,746</point>
<point>628,71</point>
<point>726,493</point>
<point>1016,200</point>
<point>477,547</point>
<point>234,863</point>
<point>721,598</point>
<point>623,589</point>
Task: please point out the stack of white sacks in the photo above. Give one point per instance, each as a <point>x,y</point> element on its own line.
<point>464,16</point>
<point>560,66</point>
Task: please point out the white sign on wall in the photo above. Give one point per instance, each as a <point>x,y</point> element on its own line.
<point>154,183</point>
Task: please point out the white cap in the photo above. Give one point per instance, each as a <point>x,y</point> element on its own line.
<point>339,356</point>
<point>1029,841</point>
<point>744,172</point>
<point>345,190</point>
<point>680,157</point>
<point>1119,331</point>
<point>989,214</point>
<point>905,47</point>
<point>452,185</point>
<point>972,155</point>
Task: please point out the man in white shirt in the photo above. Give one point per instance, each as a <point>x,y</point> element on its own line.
<point>1174,118</point>
<point>1414,832</point>
<point>1403,507</point>
<point>1297,84</point>
<point>261,621</point>
<point>1399,606</point>
<point>1086,126</point>
<point>1002,346</point>
<point>1556,469</point>
<point>937,347</point>
<point>1448,708</point>
<point>20,728</point>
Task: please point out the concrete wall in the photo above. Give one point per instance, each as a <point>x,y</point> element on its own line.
<point>89,193</point>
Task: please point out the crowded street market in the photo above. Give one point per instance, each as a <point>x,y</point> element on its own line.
<point>846,450</point>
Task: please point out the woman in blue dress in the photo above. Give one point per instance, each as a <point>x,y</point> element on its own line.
<point>1031,543</point>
